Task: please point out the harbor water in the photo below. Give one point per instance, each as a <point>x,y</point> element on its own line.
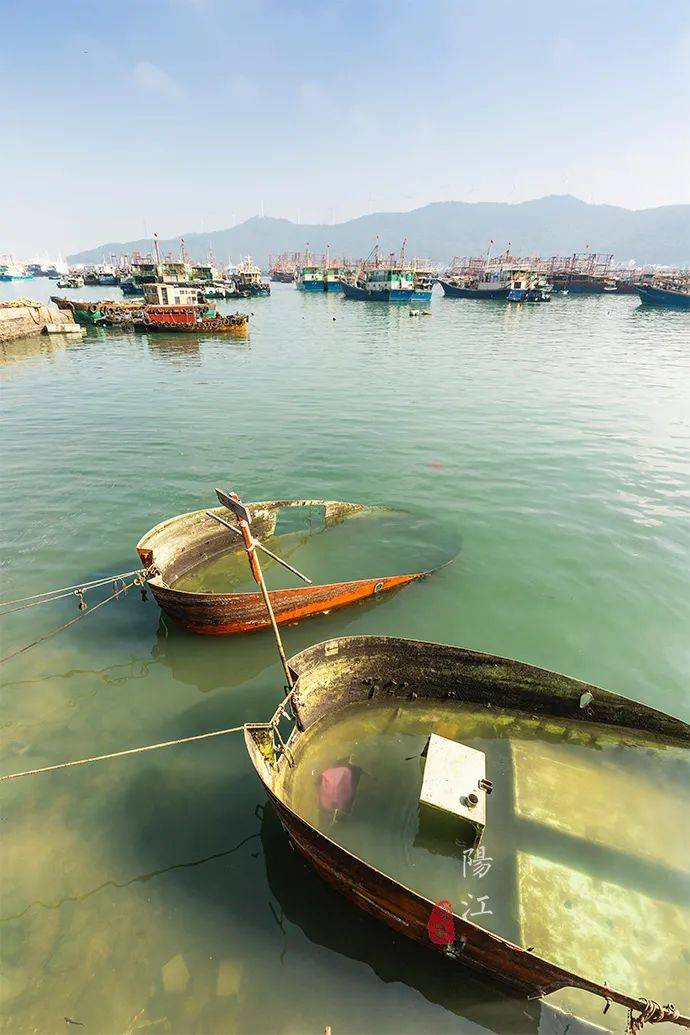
<point>546,447</point>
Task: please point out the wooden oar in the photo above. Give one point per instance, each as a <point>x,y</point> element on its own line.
<point>241,512</point>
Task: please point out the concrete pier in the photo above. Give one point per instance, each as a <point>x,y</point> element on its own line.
<point>24,317</point>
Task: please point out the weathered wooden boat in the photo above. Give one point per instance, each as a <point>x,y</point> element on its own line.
<point>182,543</point>
<point>627,890</point>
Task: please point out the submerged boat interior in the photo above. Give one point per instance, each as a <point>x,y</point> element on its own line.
<point>204,582</point>
<point>582,865</point>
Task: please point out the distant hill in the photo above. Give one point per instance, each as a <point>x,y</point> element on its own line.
<point>555,225</point>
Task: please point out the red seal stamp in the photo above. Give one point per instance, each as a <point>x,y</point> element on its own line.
<point>441,926</point>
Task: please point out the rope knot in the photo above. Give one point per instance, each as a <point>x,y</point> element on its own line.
<point>651,1013</point>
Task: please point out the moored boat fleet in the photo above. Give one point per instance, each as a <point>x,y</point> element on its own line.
<point>391,278</point>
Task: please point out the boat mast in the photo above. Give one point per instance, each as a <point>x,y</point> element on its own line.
<point>156,252</point>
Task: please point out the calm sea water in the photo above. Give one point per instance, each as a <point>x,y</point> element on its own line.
<point>549,444</point>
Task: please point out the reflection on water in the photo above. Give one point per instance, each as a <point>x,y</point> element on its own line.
<point>580,846</point>
<point>552,443</point>
<point>38,346</point>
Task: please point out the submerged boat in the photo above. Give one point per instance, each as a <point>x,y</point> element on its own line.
<point>180,545</point>
<point>667,291</point>
<point>544,845</point>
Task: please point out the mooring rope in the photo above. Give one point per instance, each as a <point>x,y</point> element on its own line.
<point>83,614</point>
<point>651,1013</point>
<point>56,594</point>
<point>120,754</point>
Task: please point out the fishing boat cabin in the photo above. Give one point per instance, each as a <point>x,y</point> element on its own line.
<point>173,294</point>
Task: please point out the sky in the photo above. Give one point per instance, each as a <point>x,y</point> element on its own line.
<point>119,119</point>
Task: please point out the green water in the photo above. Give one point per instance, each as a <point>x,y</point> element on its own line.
<point>565,863</point>
<point>550,444</point>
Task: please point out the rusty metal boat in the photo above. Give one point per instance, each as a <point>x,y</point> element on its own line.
<point>600,729</point>
<point>180,544</point>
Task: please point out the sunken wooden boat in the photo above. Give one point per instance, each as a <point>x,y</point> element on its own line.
<point>595,864</point>
<point>182,543</point>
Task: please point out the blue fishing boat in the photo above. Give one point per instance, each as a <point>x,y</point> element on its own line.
<point>528,285</point>
<point>387,285</point>
<point>11,270</point>
<point>322,275</point>
<point>390,281</point>
<point>669,291</point>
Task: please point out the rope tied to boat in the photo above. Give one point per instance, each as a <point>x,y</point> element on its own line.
<point>152,747</point>
<point>651,1013</point>
<point>140,578</point>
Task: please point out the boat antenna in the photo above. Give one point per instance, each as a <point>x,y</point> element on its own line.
<point>232,501</point>
<point>156,252</point>
<point>402,252</point>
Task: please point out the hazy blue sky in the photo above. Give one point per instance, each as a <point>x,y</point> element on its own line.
<point>181,115</point>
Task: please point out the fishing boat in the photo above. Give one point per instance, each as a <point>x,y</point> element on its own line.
<point>248,279</point>
<point>485,286</point>
<point>583,273</point>
<point>389,280</point>
<point>667,290</point>
<point>282,268</point>
<point>178,546</point>
<point>514,820</point>
<point>172,308</point>
<point>320,275</point>
<point>94,312</point>
<point>71,282</point>
<point>309,277</point>
<point>528,285</point>
<point>11,270</point>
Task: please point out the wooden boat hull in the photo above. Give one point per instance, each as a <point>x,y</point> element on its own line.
<point>180,544</point>
<point>338,672</point>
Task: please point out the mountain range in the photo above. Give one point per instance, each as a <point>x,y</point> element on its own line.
<point>553,225</point>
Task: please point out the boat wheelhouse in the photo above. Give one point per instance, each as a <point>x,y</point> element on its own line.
<point>173,294</point>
